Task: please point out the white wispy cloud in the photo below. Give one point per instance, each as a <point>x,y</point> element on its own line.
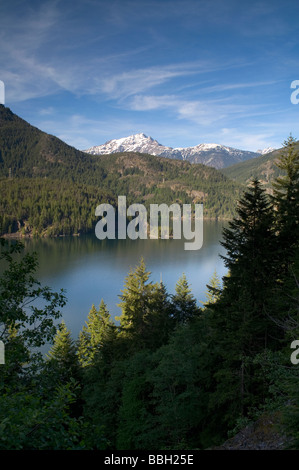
<point>204,112</point>
<point>250,140</point>
<point>237,86</point>
<point>136,81</point>
<point>82,132</point>
<point>22,37</point>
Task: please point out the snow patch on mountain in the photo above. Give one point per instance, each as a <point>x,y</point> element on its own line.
<point>266,150</point>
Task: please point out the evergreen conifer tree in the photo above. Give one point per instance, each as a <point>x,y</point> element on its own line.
<point>250,246</point>
<point>184,303</point>
<point>214,289</point>
<point>98,329</point>
<point>62,356</point>
<point>286,201</point>
<point>241,326</point>
<point>145,310</point>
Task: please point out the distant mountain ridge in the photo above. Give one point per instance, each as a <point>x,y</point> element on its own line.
<point>263,168</point>
<point>214,155</point>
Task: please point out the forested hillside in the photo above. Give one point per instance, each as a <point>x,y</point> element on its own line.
<point>264,168</point>
<point>40,174</point>
<point>48,207</point>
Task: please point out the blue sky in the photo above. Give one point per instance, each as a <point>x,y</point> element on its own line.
<point>182,71</point>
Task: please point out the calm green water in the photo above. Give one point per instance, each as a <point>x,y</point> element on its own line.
<point>90,269</point>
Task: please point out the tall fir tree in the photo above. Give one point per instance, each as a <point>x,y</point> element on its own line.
<point>99,328</point>
<point>286,201</point>
<point>213,290</point>
<point>184,304</point>
<point>62,356</point>
<point>241,326</point>
<point>250,247</point>
<point>145,317</point>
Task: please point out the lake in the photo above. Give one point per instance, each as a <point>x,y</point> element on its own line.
<point>90,269</point>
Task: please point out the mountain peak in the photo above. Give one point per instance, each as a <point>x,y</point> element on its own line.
<point>265,151</point>
<point>210,154</point>
<point>133,143</point>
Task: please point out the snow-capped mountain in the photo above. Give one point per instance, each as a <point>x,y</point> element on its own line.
<point>134,143</point>
<point>266,150</point>
<point>215,155</point>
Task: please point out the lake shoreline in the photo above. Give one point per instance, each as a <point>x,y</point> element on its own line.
<point>19,235</point>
